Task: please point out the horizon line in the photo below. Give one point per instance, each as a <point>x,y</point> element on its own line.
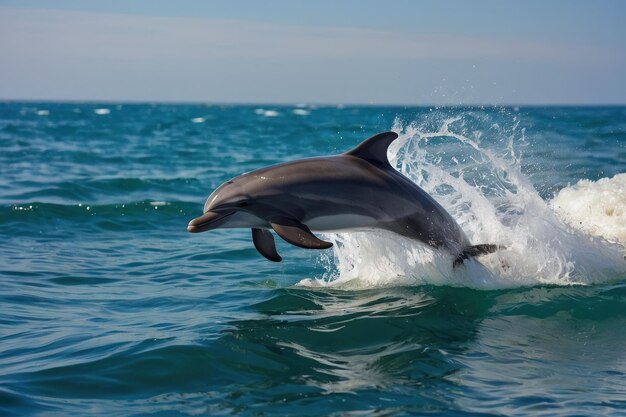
<point>303,103</point>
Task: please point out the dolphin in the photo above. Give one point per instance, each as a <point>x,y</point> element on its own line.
<point>356,190</point>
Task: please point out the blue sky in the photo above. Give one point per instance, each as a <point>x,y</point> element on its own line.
<point>351,51</point>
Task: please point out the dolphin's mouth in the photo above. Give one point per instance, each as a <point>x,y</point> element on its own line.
<point>209,220</point>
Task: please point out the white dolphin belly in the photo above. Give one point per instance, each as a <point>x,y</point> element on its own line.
<point>339,222</point>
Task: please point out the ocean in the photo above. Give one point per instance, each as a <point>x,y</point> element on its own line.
<point>108,306</point>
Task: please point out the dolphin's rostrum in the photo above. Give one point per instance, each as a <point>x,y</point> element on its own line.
<point>358,189</point>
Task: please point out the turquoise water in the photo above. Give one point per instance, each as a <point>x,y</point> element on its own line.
<point>109,307</point>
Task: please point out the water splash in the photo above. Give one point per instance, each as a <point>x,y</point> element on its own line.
<point>471,165</point>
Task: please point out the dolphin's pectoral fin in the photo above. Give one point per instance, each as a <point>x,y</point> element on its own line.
<point>475,250</point>
<point>297,234</point>
<point>264,243</point>
<point>374,149</point>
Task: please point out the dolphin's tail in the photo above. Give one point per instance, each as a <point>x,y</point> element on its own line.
<point>475,250</point>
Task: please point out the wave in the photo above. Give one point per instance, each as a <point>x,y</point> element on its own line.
<point>19,219</point>
<point>595,208</point>
<point>329,342</point>
<point>472,166</point>
<point>53,190</point>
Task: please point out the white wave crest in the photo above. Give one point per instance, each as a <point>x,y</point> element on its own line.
<point>267,113</point>
<point>483,188</point>
<point>595,208</point>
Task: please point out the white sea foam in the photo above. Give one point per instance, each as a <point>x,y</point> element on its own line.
<point>483,188</point>
<point>595,208</point>
<point>301,112</point>
<point>267,113</point>
<point>198,120</point>
<point>102,112</point>
<point>43,112</point>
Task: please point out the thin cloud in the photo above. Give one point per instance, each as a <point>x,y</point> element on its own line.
<point>39,44</point>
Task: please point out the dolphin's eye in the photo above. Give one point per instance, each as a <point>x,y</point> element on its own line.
<point>243,204</point>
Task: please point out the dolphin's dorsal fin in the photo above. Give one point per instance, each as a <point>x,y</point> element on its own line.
<point>374,149</point>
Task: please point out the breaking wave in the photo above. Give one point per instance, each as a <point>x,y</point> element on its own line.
<point>596,208</point>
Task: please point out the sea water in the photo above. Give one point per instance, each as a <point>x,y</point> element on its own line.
<point>109,307</point>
